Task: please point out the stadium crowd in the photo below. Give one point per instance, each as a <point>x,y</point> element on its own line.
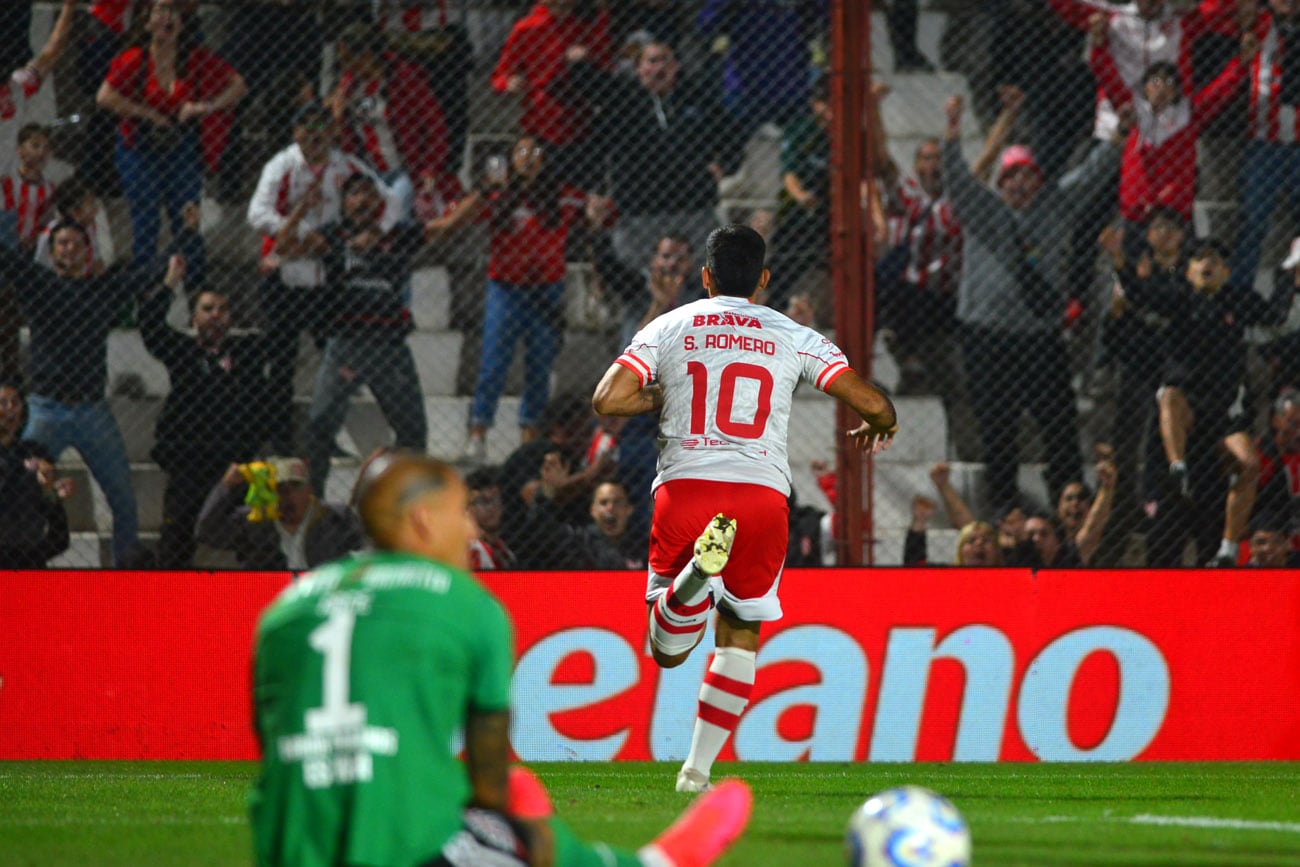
<point>1068,273</point>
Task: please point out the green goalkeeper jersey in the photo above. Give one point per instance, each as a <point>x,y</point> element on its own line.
<point>364,673</point>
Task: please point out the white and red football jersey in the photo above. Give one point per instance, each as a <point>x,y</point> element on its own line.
<point>729,370</point>
<point>30,203</point>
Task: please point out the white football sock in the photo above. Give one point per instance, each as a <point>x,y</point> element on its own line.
<point>724,695</point>
<point>681,612</point>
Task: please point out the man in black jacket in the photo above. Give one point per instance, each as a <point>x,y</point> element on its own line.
<point>207,422</point>
<point>70,313</point>
<point>668,145</point>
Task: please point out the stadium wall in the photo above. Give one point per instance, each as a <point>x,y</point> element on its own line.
<point>880,665</point>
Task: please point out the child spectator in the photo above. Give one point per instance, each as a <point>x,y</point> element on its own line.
<point>1202,394</point>
<point>75,202</point>
<point>23,84</point>
<point>1158,168</point>
<point>26,195</point>
<point>488,550</point>
<point>530,211</point>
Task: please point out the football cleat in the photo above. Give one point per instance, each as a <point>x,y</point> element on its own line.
<point>714,545</point>
<point>705,831</point>
<point>691,780</point>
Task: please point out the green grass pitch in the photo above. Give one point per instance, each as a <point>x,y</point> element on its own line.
<point>192,813</point>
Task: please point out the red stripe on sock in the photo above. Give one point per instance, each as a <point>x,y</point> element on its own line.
<point>676,606</point>
<point>667,626</point>
<point>729,685</point>
<point>719,717</point>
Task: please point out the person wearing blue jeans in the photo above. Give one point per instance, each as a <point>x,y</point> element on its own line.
<point>1266,169</point>
<point>535,314</point>
<point>70,313</point>
<point>166,89</point>
<point>364,314</point>
<point>91,429</point>
<point>529,210</point>
<point>171,179</point>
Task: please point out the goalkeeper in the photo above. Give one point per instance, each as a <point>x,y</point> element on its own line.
<point>365,670</point>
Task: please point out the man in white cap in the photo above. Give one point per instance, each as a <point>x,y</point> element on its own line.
<point>307,532</point>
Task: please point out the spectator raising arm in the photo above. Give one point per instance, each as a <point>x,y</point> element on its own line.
<point>1094,525</point>
<point>43,63</point>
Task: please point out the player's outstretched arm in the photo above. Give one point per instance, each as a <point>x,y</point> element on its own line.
<point>879,419</point>
<point>619,392</point>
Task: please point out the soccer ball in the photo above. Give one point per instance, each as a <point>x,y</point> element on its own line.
<point>907,827</point>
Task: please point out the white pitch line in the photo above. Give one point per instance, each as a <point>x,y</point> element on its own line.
<point>1212,822</point>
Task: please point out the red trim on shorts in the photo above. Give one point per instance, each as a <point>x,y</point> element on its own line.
<point>684,507</point>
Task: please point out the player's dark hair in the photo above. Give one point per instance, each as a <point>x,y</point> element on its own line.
<point>69,195</point>
<point>31,130</point>
<point>735,259</point>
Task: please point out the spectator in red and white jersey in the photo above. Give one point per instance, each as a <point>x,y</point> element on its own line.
<point>1272,159</point>
<point>530,212</point>
<point>433,34</point>
<point>1141,33</point>
<point>293,283</point>
<point>387,114</point>
<point>25,82</point>
<point>1158,167</point>
<point>488,550</point>
<point>1279,463</point>
<point>26,194</point>
<point>535,62</point>
<point>75,202</point>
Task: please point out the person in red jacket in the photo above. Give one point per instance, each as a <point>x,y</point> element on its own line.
<point>1158,168</point>
<point>529,211</point>
<point>535,62</point>
<point>387,114</point>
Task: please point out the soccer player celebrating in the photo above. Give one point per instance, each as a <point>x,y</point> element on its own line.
<point>363,672</point>
<point>724,370</point>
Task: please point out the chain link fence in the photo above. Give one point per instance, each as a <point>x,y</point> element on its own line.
<point>295,232</point>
